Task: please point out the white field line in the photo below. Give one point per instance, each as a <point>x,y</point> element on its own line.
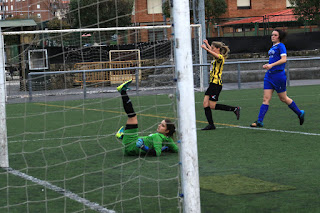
<point>71,195</point>
<point>262,129</point>
<point>278,130</point>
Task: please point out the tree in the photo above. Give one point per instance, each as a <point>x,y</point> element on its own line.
<point>215,8</point>
<point>307,10</point>
<point>57,24</point>
<point>100,13</point>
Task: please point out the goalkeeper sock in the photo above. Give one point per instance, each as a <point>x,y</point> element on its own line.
<point>208,114</point>
<point>127,105</point>
<point>295,108</point>
<point>224,107</point>
<point>263,110</point>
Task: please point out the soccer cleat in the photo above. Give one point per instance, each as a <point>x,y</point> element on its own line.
<point>124,86</point>
<point>237,112</point>
<point>301,117</point>
<point>119,134</point>
<point>257,124</point>
<point>209,127</point>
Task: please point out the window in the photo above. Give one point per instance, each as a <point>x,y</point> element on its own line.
<point>244,4</point>
<point>155,35</point>
<point>39,15</point>
<point>11,7</point>
<point>154,6</point>
<point>289,4</point>
<point>38,6</point>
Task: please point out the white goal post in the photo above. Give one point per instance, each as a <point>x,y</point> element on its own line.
<point>4,161</point>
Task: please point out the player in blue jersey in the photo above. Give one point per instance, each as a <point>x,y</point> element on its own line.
<point>275,79</point>
<point>153,144</point>
<point>220,52</point>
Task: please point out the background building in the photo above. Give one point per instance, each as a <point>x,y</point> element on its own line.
<point>40,10</point>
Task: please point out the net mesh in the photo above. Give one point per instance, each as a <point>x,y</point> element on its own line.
<point>63,111</point>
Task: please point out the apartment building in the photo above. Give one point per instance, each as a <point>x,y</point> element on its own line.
<point>42,10</point>
<point>249,8</point>
<point>148,12</point>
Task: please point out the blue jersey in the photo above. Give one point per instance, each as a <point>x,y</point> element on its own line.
<point>275,53</point>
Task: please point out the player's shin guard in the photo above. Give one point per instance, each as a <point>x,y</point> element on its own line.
<point>208,114</point>
<point>127,105</point>
<point>295,108</point>
<point>263,110</point>
<point>224,107</point>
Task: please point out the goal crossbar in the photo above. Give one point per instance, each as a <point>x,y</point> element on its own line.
<point>93,29</point>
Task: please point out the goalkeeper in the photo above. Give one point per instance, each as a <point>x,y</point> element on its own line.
<point>153,144</point>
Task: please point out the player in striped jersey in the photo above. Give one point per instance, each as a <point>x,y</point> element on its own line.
<point>220,52</point>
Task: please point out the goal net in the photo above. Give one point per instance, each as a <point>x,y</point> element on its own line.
<point>63,111</point>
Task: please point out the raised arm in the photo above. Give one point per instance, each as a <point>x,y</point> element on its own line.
<point>204,46</point>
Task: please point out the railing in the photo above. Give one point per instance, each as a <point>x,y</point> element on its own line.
<point>84,73</point>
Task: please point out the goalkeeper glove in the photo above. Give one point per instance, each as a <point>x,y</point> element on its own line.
<point>140,144</point>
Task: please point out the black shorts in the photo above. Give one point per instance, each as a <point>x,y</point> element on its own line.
<point>213,91</point>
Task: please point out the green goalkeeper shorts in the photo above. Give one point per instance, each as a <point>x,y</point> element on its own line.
<point>130,137</point>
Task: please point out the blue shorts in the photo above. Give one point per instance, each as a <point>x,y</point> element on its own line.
<point>276,80</point>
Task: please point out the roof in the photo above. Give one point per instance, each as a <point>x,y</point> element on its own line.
<point>18,23</point>
<point>280,16</point>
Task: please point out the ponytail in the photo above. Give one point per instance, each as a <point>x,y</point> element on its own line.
<point>224,49</point>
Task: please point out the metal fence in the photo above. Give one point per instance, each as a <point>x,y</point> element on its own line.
<point>236,72</point>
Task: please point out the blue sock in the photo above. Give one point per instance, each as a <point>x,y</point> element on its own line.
<point>263,110</point>
<point>295,108</point>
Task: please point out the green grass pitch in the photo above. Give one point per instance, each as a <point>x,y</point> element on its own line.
<point>71,145</point>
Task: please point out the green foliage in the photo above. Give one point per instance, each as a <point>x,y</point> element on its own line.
<point>166,8</point>
<point>307,10</point>
<point>99,13</point>
<point>57,24</point>
<point>215,8</point>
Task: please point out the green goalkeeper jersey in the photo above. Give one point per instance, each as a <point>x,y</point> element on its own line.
<point>157,140</point>
<point>154,141</point>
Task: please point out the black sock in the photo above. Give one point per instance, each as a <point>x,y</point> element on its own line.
<point>131,126</point>
<point>224,107</point>
<point>127,105</point>
<point>208,113</point>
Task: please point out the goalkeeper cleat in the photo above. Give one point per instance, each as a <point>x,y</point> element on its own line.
<point>237,112</point>
<point>257,124</point>
<point>124,86</point>
<point>119,134</point>
<point>301,117</point>
<point>209,127</point>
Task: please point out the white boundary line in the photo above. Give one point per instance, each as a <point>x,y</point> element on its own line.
<point>278,130</point>
<point>71,195</point>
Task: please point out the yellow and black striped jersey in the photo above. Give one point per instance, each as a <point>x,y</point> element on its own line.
<point>216,69</point>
